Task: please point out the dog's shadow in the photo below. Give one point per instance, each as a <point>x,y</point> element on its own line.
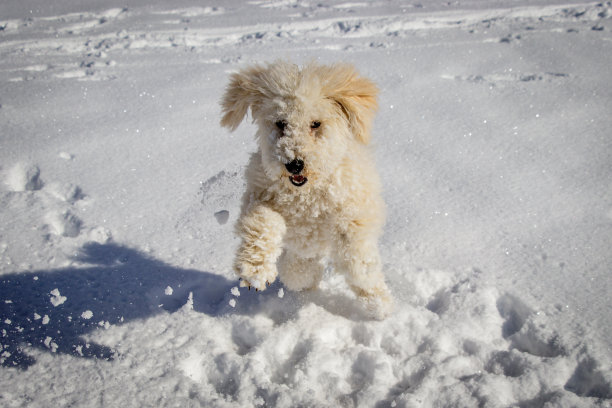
<point>51,310</point>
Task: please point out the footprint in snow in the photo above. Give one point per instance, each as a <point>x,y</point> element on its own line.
<point>24,177</point>
<point>525,341</point>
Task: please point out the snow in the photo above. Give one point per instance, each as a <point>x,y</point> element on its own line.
<point>56,298</point>
<point>24,177</point>
<point>119,191</point>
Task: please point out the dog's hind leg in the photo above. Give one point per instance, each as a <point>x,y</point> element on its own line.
<point>360,260</point>
<point>261,230</point>
<point>299,273</point>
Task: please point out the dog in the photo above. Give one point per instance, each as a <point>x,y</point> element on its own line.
<point>312,193</point>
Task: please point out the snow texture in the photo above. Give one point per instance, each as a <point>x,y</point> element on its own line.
<point>119,191</point>
<point>88,314</point>
<point>56,298</point>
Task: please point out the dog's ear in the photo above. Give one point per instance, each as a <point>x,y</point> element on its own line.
<point>355,95</point>
<point>240,95</point>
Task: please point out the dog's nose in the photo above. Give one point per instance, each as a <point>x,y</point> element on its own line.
<point>295,167</point>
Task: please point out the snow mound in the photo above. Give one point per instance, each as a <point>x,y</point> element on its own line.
<point>65,224</point>
<point>24,177</point>
<point>486,347</point>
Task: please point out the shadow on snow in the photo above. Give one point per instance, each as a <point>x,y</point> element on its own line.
<point>118,285</point>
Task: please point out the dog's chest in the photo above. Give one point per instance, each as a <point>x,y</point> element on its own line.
<point>311,223</point>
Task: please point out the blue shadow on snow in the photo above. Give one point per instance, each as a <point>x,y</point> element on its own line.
<point>117,285</point>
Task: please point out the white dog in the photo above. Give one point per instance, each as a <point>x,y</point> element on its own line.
<point>312,190</point>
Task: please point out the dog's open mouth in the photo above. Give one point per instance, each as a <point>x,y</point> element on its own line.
<point>298,180</point>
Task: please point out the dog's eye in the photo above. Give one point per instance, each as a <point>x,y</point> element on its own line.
<point>281,124</point>
<point>315,125</point>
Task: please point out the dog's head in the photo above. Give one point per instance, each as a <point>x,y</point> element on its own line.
<point>307,117</point>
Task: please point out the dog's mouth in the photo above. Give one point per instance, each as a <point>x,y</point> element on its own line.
<point>298,180</point>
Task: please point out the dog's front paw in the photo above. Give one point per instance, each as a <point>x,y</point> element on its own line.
<point>256,276</point>
<point>378,303</point>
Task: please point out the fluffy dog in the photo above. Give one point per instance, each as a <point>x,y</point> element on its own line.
<point>313,193</point>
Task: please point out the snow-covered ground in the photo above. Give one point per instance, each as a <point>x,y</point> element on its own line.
<point>119,189</point>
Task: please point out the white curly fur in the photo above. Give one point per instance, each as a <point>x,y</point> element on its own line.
<point>338,213</point>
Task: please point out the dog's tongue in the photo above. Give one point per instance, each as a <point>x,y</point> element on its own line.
<point>298,180</point>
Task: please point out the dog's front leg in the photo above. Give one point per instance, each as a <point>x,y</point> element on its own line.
<point>261,230</point>
<point>360,260</point>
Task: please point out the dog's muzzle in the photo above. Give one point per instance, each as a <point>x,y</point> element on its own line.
<point>295,167</point>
